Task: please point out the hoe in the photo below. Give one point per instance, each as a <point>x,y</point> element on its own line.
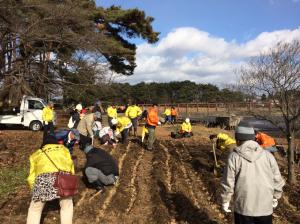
<point>216,165</point>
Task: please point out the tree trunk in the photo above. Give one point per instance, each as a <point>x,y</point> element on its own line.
<point>291,159</point>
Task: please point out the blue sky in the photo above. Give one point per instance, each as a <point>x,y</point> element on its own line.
<point>229,24</point>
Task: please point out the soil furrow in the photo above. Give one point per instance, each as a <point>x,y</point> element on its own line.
<point>186,177</point>
<point>113,191</point>
<point>133,182</point>
<point>168,169</point>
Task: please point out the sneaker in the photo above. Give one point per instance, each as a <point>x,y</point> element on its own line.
<point>116,180</point>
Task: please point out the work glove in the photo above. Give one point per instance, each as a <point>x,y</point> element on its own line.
<point>158,123</point>
<point>211,137</point>
<point>275,203</point>
<point>225,207</point>
<point>46,122</point>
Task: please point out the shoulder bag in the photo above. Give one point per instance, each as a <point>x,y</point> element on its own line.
<point>66,183</point>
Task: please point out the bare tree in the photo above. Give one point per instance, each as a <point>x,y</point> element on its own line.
<point>277,75</point>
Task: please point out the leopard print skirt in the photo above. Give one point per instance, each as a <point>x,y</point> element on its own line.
<point>43,189</point>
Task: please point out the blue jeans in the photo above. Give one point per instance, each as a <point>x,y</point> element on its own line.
<point>168,119</point>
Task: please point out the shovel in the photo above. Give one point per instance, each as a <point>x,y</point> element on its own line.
<point>216,165</point>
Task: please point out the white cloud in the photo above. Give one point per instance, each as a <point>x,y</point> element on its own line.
<point>187,53</point>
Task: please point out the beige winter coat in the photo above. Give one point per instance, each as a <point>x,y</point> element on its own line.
<point>252,176</point>
<point>85,125</point>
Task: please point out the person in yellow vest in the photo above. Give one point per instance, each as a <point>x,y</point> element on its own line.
<point>186,128</point>
<point>167,114</point>
<point>121,125</point>
<point>42,177</point>
<point>48,118</point>
<point>224,142</point>
<point>133,112</point>
<point>111,114</point>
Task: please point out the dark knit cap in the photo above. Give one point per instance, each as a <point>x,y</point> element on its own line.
<point>49,139</point>
<point>244,131</point>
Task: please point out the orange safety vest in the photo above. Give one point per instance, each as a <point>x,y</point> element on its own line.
<point>264,140</point>
<point>173,112</point>
<point>152,117</point>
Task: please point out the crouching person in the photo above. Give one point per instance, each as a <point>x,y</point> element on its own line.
<point>68,138</point>
<point>42,178</point>
<point>122,125</point>
<point>101,169</point>
<point>224,142</point>
<point>106,136</point>
<point>265,141</point>
<point>186,129</point>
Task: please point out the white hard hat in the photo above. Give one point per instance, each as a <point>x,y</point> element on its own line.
<point>114,121</point>
<point>187,120</point>
<point>78,107</point>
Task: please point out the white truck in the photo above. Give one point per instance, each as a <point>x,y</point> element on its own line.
<point>28,114</point>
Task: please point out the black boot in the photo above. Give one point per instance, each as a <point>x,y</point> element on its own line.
<point>97,185</point>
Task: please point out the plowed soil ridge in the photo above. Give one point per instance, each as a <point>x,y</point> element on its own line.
<point>113,191</point>
<point>132,184</point>
<point>174,183</point>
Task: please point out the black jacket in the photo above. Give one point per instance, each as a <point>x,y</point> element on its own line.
<point>100,159</point>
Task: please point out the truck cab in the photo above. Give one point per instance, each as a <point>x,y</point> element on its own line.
<point>28,114</point>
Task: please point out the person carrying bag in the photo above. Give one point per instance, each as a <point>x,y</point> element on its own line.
<point>45,180</point>
<point>65,182</point>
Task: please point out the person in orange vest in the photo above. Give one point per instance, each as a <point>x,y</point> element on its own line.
<point>152,121</point>
<point>265,141</point>
<point>173,115</point>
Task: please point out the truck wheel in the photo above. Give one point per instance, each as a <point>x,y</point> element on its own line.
<point>35,126</point>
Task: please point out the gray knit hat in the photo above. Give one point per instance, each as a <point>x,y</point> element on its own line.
<point>244,131</point>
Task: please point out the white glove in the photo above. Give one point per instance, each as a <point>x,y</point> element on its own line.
<point>225,207</point>
<point>275,203</point>
<point>158,123</point>
<point>46,122</point>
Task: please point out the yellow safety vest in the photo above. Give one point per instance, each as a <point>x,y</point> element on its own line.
<point>186,127</point>
<point>39,162</point>
<point>112,112</point>
<point>133,111</point>
<point>224,140</point>
<point>47,114</point>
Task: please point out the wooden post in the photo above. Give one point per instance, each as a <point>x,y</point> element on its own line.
<point>186,110</point>
<point>207,108</point>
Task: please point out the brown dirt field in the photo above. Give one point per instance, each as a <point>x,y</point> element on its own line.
<point>172,184</point>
